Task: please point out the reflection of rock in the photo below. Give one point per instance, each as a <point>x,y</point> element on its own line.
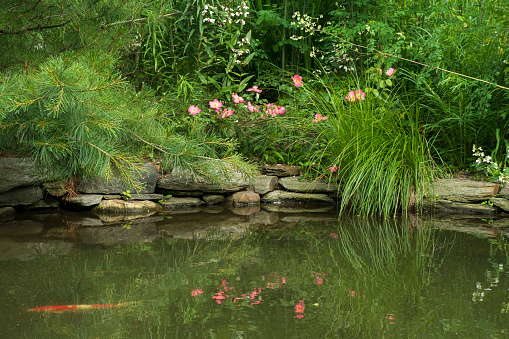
<point>7,212</point>
<point>199,226</point>
<point>175,203</point>
<point>21,228</point>
<point>245,210</point>
<point>48,203</point>
<point>147,179</point>
<point>293,197</point>
<point>310,217</point>
<point>143,196</point>
<point>464,224</point>
<point>263,218</point>
<point>24,251</point>
<point>21,196</point>
<point>320,186</point>
<point>298,208</point>
<point>129,233</point>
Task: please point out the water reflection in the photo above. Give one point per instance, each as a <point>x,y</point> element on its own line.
<point>263,274</point>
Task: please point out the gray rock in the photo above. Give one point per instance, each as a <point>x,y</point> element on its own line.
<point>447,206</point>
<point>464,190</point>
<point>55,188</point>
<point>504,192</point>
<point>182,181</point>
<point>126,207</point>
<point>147,179</point>
<point>85,200</point>
<point>176,203</point>
<point>501,203</point>
<point>19,172</point>
<point>212,199</point>
<point>21,196</point>
<point>263,184</point>
<point>146,196</point>
<point>318,186</point>
<point>244,198</point>
<point>278,196</point>
<point>281,170</point>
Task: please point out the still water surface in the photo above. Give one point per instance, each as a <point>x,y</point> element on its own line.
<point>216,274</point>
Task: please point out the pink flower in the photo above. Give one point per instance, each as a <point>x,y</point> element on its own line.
<point>390,71</point>
<point>280,110</point>
<point>333,168</point>
<point>350,96</point>
<point>194,110</point>
<point>237,99</point>
<point>196,292</point>
<point>297,80</point>
<point>360,94</point>
<point>334,235</point>
<point>216,104</point>
<point>254,89</point>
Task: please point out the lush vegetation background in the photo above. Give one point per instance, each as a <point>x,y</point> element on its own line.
<point>86,87</point>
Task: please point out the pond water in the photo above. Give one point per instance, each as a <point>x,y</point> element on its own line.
<point>276,274</point>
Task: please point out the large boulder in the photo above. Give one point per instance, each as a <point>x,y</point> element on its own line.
<point>126,207</point>
<point>294,184</point>
<point>21,196</point>
<point>263,184</point>
<point>19,172</point>
<point>182,181</point>
<point>147,179</point>
<point>464,190</point>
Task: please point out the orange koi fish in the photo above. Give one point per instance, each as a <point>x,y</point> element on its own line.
<point>66,308</point>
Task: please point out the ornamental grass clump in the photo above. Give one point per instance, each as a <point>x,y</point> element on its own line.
<point>380,159</point>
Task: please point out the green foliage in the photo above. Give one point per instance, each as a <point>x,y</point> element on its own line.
<point>382,161</point>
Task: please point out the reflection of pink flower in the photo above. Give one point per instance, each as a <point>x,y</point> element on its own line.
<point>390,71</point>
<point>297,80</point>
<point>254,89</point>
<point>356,294</point>
<point>319,277</point>
<point>218,296</point>
<point>299,308</point>
<point>391,319</point>
<point>196,292</point>
<point>334,235</point>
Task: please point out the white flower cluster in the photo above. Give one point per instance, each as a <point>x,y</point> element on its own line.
<point>226,14</point>
<point>486,163</point>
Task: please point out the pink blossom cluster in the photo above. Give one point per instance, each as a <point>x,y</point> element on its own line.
<point>358,95</point>
<point>271,110</point>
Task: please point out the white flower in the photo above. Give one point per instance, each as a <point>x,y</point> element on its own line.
<point>487,159</point>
